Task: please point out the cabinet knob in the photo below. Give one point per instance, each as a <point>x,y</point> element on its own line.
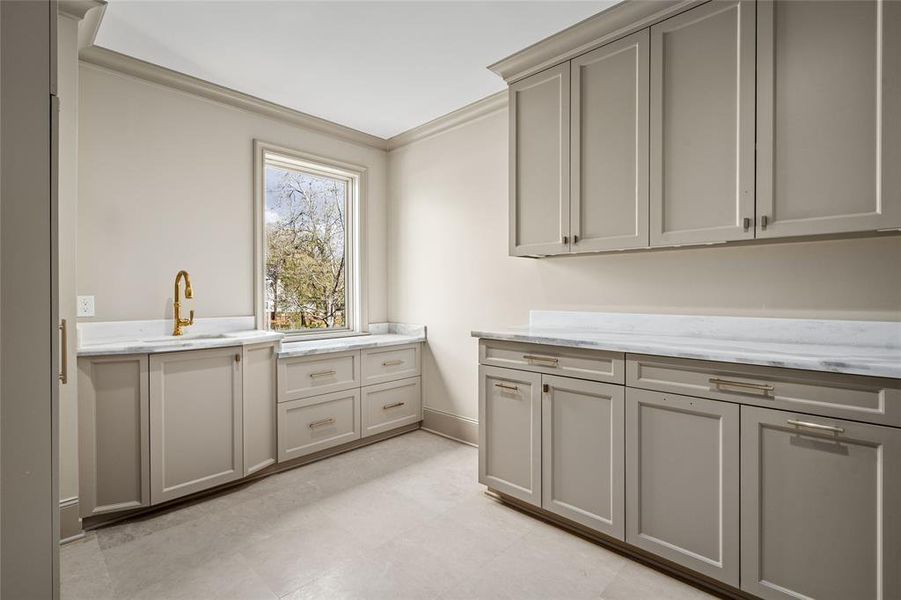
<point>565,239</point>
<point>237,358</point>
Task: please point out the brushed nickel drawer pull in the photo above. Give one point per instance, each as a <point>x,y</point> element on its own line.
<point>757,387</point>
<point>393,405</point>
<point>817,426</point>
<point>504,386</point>
<point>322,373</point>
<point>64,351</point>
<point>322,422</point>
<point>535,357</point>
<point>392,363</point>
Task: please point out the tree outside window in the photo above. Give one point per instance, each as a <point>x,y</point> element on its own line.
<point>306,243</point>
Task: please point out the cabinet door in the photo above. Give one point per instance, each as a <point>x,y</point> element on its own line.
<point>539,163</point>
<point>702,125</point>
<point>820,502</point>
<point>682,485</point>
<point>582,453</point>
<point>113,434</point>
<point>828,117</point>
<point>609,146</point>
<point>510,432</point>
<point>195,421</point>
<point>259,407</point>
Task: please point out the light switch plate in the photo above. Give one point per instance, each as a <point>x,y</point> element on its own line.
<point>85,306</point>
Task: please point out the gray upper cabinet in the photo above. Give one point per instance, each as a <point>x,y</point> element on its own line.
<point>702,125</point>
<point>819,507</point>
<point>582,450</point>
<point>609,146</point>
<point>682,486</point>
<point>828,117</point>
<point>510,432</point>
<point>113,434</point>
<point>196,414</point>
<point>539,163</point>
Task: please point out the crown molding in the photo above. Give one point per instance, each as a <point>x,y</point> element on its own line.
<point>606,26</point>
<point>461,116</point>
<point>120,63</point>
<point>77,9</point>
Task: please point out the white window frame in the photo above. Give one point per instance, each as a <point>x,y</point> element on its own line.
<point>357,314</point>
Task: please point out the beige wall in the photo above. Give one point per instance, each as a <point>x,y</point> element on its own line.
<point>448,265</point>
<point>165,183</point>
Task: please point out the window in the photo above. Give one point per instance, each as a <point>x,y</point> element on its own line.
<point>308,279</point>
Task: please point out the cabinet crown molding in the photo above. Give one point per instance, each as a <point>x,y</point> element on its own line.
<point>615,22</point>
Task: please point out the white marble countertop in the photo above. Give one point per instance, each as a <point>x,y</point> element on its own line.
<point>380,335</point>
<point>150,337</point>
<point>853,347</point>
<point>188,341</point>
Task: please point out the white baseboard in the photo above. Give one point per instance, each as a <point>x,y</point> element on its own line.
<point>69,521</point>
<point>449,425</point>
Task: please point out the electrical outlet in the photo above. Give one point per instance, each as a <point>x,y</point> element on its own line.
<point>85,306</point>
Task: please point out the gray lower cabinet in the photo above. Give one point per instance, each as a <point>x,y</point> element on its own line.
<point>113,434</point>
<point>682,482</point>
<point>308,425</point>
<point>510,432</point>
<point>582,447</point>
<point>387,406</point>
<point>196,414</point>
<point>819,508</point>
<point>259,407</point>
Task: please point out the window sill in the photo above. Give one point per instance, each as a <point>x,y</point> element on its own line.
<point>312,337</point>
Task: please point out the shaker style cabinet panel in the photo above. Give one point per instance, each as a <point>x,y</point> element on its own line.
<point>539,163</point>
<point>309,425</point>
<point>510,432</point>
<point>259,407</point>
<point>196,427</point>
<point>702,125</point>
<point>387,406</point>
<point>819,507</point>
<point>113,434</point>
<point>609,146</point>
<point>682,484</point>
<point>582,453</point>
<point>828,117</point>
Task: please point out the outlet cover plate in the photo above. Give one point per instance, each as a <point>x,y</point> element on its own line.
<point>85,306</point>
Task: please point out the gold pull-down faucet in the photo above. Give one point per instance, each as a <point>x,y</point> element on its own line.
<point>176,304</point>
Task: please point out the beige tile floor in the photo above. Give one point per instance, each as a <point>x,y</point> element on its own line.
<point>404,518</point>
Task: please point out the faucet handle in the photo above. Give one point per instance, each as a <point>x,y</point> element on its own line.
<point>190,318</point>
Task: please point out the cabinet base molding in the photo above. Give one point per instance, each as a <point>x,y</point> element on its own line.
<point>455,427</point>
<point>655,562</point>
<point>69,521</point>
<point>90,523</point>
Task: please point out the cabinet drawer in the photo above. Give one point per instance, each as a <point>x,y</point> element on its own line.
<point>595,365</point>
<point>390,405</point>
<point>390,364</point>
<point>312,424</point>
<point>856,397</point>
<point>307,376</point>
